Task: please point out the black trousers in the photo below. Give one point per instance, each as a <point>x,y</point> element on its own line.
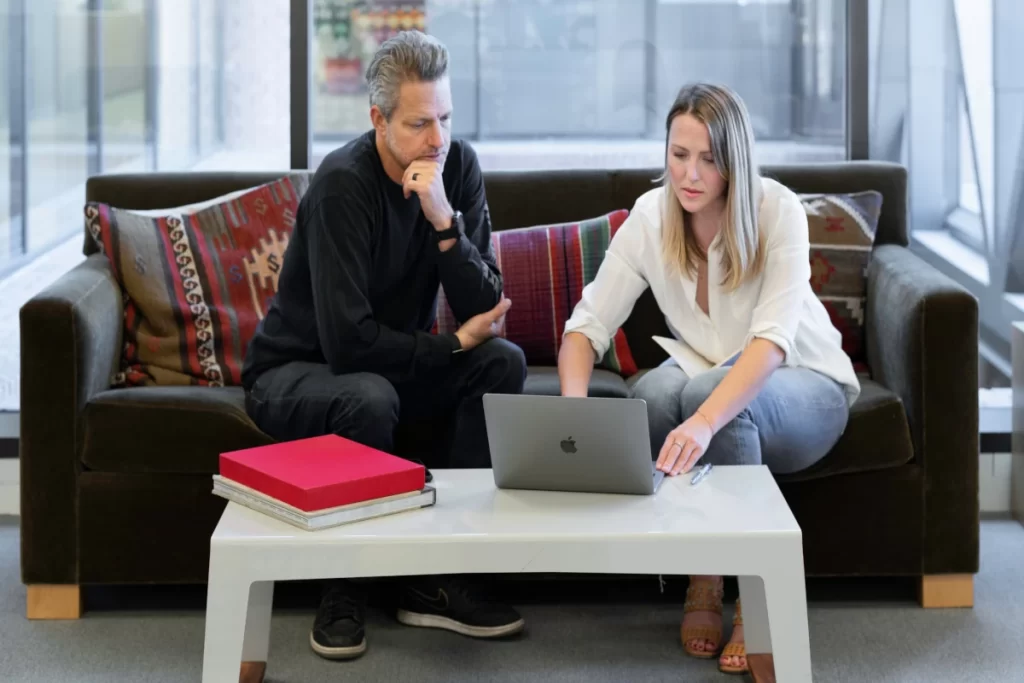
<point>437,419</point>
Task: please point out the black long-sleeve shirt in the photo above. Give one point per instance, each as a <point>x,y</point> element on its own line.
<point>358,286</point>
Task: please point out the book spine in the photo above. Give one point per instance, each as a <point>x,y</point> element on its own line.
<point>425,499</point>
<point>315,522</point>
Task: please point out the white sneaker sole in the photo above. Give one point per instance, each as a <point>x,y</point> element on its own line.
<point>434,621</point>
<point>337,652</point>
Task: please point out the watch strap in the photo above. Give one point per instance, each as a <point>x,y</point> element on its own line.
<point>454,231</point>
<point>449,234</point>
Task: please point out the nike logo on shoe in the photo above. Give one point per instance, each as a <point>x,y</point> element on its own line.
<point>439,603</point>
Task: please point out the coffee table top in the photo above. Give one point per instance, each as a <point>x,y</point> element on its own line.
<point>734,502</point>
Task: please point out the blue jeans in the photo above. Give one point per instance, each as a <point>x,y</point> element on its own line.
<point>793,422</point>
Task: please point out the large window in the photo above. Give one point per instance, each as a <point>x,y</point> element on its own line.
<point>588,82</point>
<point>102,86</point>
<point>946,82</point>
<point>107,86</point>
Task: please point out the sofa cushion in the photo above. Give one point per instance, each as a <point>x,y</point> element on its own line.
<point>174,430</point>
<point>543,381</point>
<point>876,437</point>
<point>842,231</point>
<point>545,269</point>
<point>196,280</point>
<point>183,430</point>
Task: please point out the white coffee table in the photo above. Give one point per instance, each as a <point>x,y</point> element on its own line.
<point>734,523</point>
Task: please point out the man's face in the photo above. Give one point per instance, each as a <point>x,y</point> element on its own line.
<point>420,127</point>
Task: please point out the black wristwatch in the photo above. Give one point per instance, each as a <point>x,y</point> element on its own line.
<point>454,231</point>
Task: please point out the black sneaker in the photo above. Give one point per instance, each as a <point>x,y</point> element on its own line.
<point>337,631</point>
<point>446,602</point>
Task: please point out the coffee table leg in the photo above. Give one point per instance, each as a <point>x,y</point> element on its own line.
<point>256,643</point>
<point>237,628</point>
<point>775,626</point>
<point>756,629</point>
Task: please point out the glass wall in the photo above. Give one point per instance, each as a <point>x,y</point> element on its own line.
<point>122,56</point>
<point>57,117</point>
<point>590,75</point>
<point>8,150</point>
<point>113,86</point>
<point>946,84</point>
<point>106,86</point>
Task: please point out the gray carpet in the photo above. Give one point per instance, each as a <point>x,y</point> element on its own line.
<point>860,631</point>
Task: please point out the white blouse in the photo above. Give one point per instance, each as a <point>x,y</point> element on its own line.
<point>779,305</point>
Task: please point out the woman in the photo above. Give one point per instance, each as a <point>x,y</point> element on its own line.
<point>726,255</point>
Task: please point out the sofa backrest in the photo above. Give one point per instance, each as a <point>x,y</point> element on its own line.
<point>526,198</point>
<point>523,198</point>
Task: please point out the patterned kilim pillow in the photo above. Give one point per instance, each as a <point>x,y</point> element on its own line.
<point>197,281</point>
<point>842,231</point>
<point>545,269</point>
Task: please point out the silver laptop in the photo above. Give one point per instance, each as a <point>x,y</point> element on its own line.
<point>557,443</point>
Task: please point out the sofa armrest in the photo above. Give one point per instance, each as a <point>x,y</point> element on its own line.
<point>70,346</point>
<point>922,343</point>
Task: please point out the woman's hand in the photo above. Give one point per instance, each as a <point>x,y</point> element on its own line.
<point>685,445</point>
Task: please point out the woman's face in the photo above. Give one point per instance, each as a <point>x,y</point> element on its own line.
<point>691,165</point>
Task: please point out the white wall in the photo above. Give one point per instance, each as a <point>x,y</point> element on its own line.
<point>9,489</point>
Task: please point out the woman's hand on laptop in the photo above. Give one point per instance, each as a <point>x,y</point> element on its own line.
<point>684,446</point>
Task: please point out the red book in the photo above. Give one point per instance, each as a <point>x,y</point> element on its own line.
<point>322,472</point>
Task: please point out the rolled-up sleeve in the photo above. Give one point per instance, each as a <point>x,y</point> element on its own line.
<point>787,273</point>
<point>609,299</point>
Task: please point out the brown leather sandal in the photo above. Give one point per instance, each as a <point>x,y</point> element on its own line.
<point>735,649</point>
<point>702,596</point>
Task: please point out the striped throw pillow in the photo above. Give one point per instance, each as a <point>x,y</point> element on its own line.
<point>545,269</point>
<point>842,232</point>
<point>196,280</point>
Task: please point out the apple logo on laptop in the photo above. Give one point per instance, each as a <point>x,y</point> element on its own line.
<point>568,445</point>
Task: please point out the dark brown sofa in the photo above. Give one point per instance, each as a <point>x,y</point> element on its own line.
<point>116,482</point>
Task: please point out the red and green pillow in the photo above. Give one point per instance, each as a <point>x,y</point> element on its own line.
<point>545,269</point>
<point>196,280</point>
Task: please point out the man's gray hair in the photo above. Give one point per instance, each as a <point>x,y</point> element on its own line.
<point>408,56</point>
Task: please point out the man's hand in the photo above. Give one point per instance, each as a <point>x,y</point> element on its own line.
<point>685,445</point>
<point>482,327</point>
<point>425,179</point>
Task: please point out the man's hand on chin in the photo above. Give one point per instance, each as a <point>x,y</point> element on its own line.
<point>424,178</point>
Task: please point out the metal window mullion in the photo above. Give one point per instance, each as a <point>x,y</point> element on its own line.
<point>94,86</point>
<point>301,84</point>
<point>857,89</point>
<point>17,65</point>
<point>152,84</point>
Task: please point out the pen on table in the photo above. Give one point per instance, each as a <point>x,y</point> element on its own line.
<point>700,474</point>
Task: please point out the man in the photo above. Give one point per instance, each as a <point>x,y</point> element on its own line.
<point>346,346</point>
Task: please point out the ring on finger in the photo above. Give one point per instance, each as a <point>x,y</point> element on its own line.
<point>415,176</point>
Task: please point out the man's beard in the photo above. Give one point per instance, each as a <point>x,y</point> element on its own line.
<point>403,161</point>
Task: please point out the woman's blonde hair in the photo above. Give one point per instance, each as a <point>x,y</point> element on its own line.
<point>732,145</point>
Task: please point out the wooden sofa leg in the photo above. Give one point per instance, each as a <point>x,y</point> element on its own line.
<point>947,590</point>
<point>54,601</point>
<point>252,672</point>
